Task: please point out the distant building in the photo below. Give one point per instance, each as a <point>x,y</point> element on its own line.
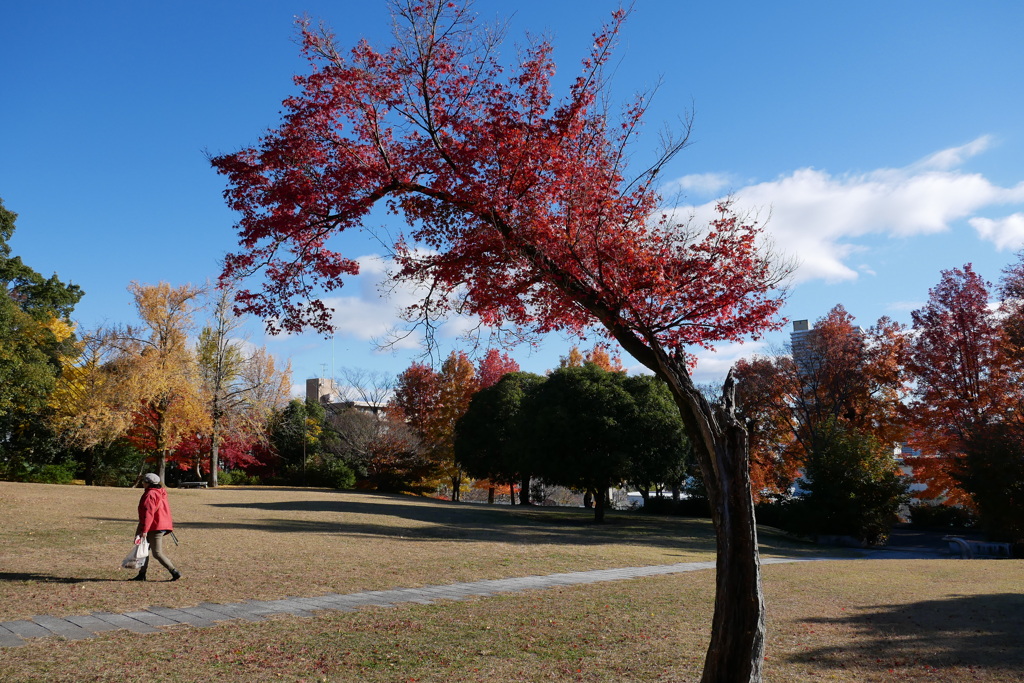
<point>324,392</point>
<point>800,346</point>
<point>321,390</point>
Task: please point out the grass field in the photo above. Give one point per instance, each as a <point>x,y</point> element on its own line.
<point>853,620</point>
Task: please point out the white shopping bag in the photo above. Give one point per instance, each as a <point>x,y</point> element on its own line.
<point>137,557</point>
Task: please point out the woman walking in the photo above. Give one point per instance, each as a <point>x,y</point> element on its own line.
<point>154,522</point>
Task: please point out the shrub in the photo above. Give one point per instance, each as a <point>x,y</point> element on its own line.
<point>330,472</point>
<point>115,465</point>
<point>49,473</point>
<point>926,516</point>
<point>993,474</point>
<point>237,478</point>
<point>778,511</point>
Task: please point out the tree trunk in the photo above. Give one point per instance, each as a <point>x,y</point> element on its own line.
<point>90,466</point>
<point>214,463</point>
<point>600,503</point>
<point>161,466</point>
<point>524,491</point>
<point>214,448</point>
<point>737,631</point>
<point>161,447</point>
<point>490,495</point>
<point>736,651</point>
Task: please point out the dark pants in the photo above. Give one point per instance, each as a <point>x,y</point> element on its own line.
<point>156,549</point>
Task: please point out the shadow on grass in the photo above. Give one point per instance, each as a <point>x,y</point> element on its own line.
<point>46,578</point>
<point>446,521</point>
<point>985,631</point>
<point>432,520</point>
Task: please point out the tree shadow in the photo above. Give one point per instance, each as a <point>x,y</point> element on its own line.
<point>434,520</point>
<point>985,631</point>
<point>446,521</point>
<point>47,578</point>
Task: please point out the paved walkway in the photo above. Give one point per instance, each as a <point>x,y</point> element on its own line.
<point>204,615</point>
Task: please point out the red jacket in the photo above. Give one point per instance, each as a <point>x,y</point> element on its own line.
<point>154,513</point>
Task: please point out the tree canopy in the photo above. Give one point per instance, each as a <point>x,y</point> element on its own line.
<point>491,439</point>
<point>524,211</point>
<point>36,341</point>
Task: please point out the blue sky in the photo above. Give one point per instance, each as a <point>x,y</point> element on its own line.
<point>884,140</point>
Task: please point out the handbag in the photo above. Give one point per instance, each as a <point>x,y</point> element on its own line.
<point>136,559</point>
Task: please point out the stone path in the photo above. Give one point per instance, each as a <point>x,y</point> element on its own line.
<point>153,619</point>
<point>207,614</point>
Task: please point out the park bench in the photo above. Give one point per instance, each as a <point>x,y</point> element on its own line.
<point>192,485</point>
<point>969,550</point>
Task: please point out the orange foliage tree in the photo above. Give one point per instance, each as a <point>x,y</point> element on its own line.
<point>161,376</point>
<point>964,378</point>
<point>838,373</point>
<point>598,355</point>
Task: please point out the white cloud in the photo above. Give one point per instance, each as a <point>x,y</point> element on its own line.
<point>818,217</point>
<point>701,183</point>
<point>955,156</point>
<point>1005,233</point>
<point>713,366</point>
<point>372,313</point>
<point>375,312</point>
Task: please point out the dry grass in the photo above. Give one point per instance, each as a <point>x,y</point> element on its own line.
<point>941,620</point>
<point>63,545</point>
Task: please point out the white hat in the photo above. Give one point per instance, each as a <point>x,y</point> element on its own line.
<point>151,479</point>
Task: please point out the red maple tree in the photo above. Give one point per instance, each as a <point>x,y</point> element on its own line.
<point>416,395</point>
<point>492,367</point>
<point>524,211</point>
<point>966,377</point>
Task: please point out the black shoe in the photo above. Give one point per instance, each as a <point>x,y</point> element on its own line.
<point>140,577</point>
<point>175,575</point>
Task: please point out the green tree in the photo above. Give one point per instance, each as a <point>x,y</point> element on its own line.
<point>489,438</point>
<point>302,437</point>
<point>660,452</point>
<point>296,436</point>
<point>36,336</point>
<point>580,420</point>
<point>854,486</point>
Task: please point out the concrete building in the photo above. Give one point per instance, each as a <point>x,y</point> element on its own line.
<point>325,392</point>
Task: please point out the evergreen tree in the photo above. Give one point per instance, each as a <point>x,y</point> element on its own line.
<point>36,338</point>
